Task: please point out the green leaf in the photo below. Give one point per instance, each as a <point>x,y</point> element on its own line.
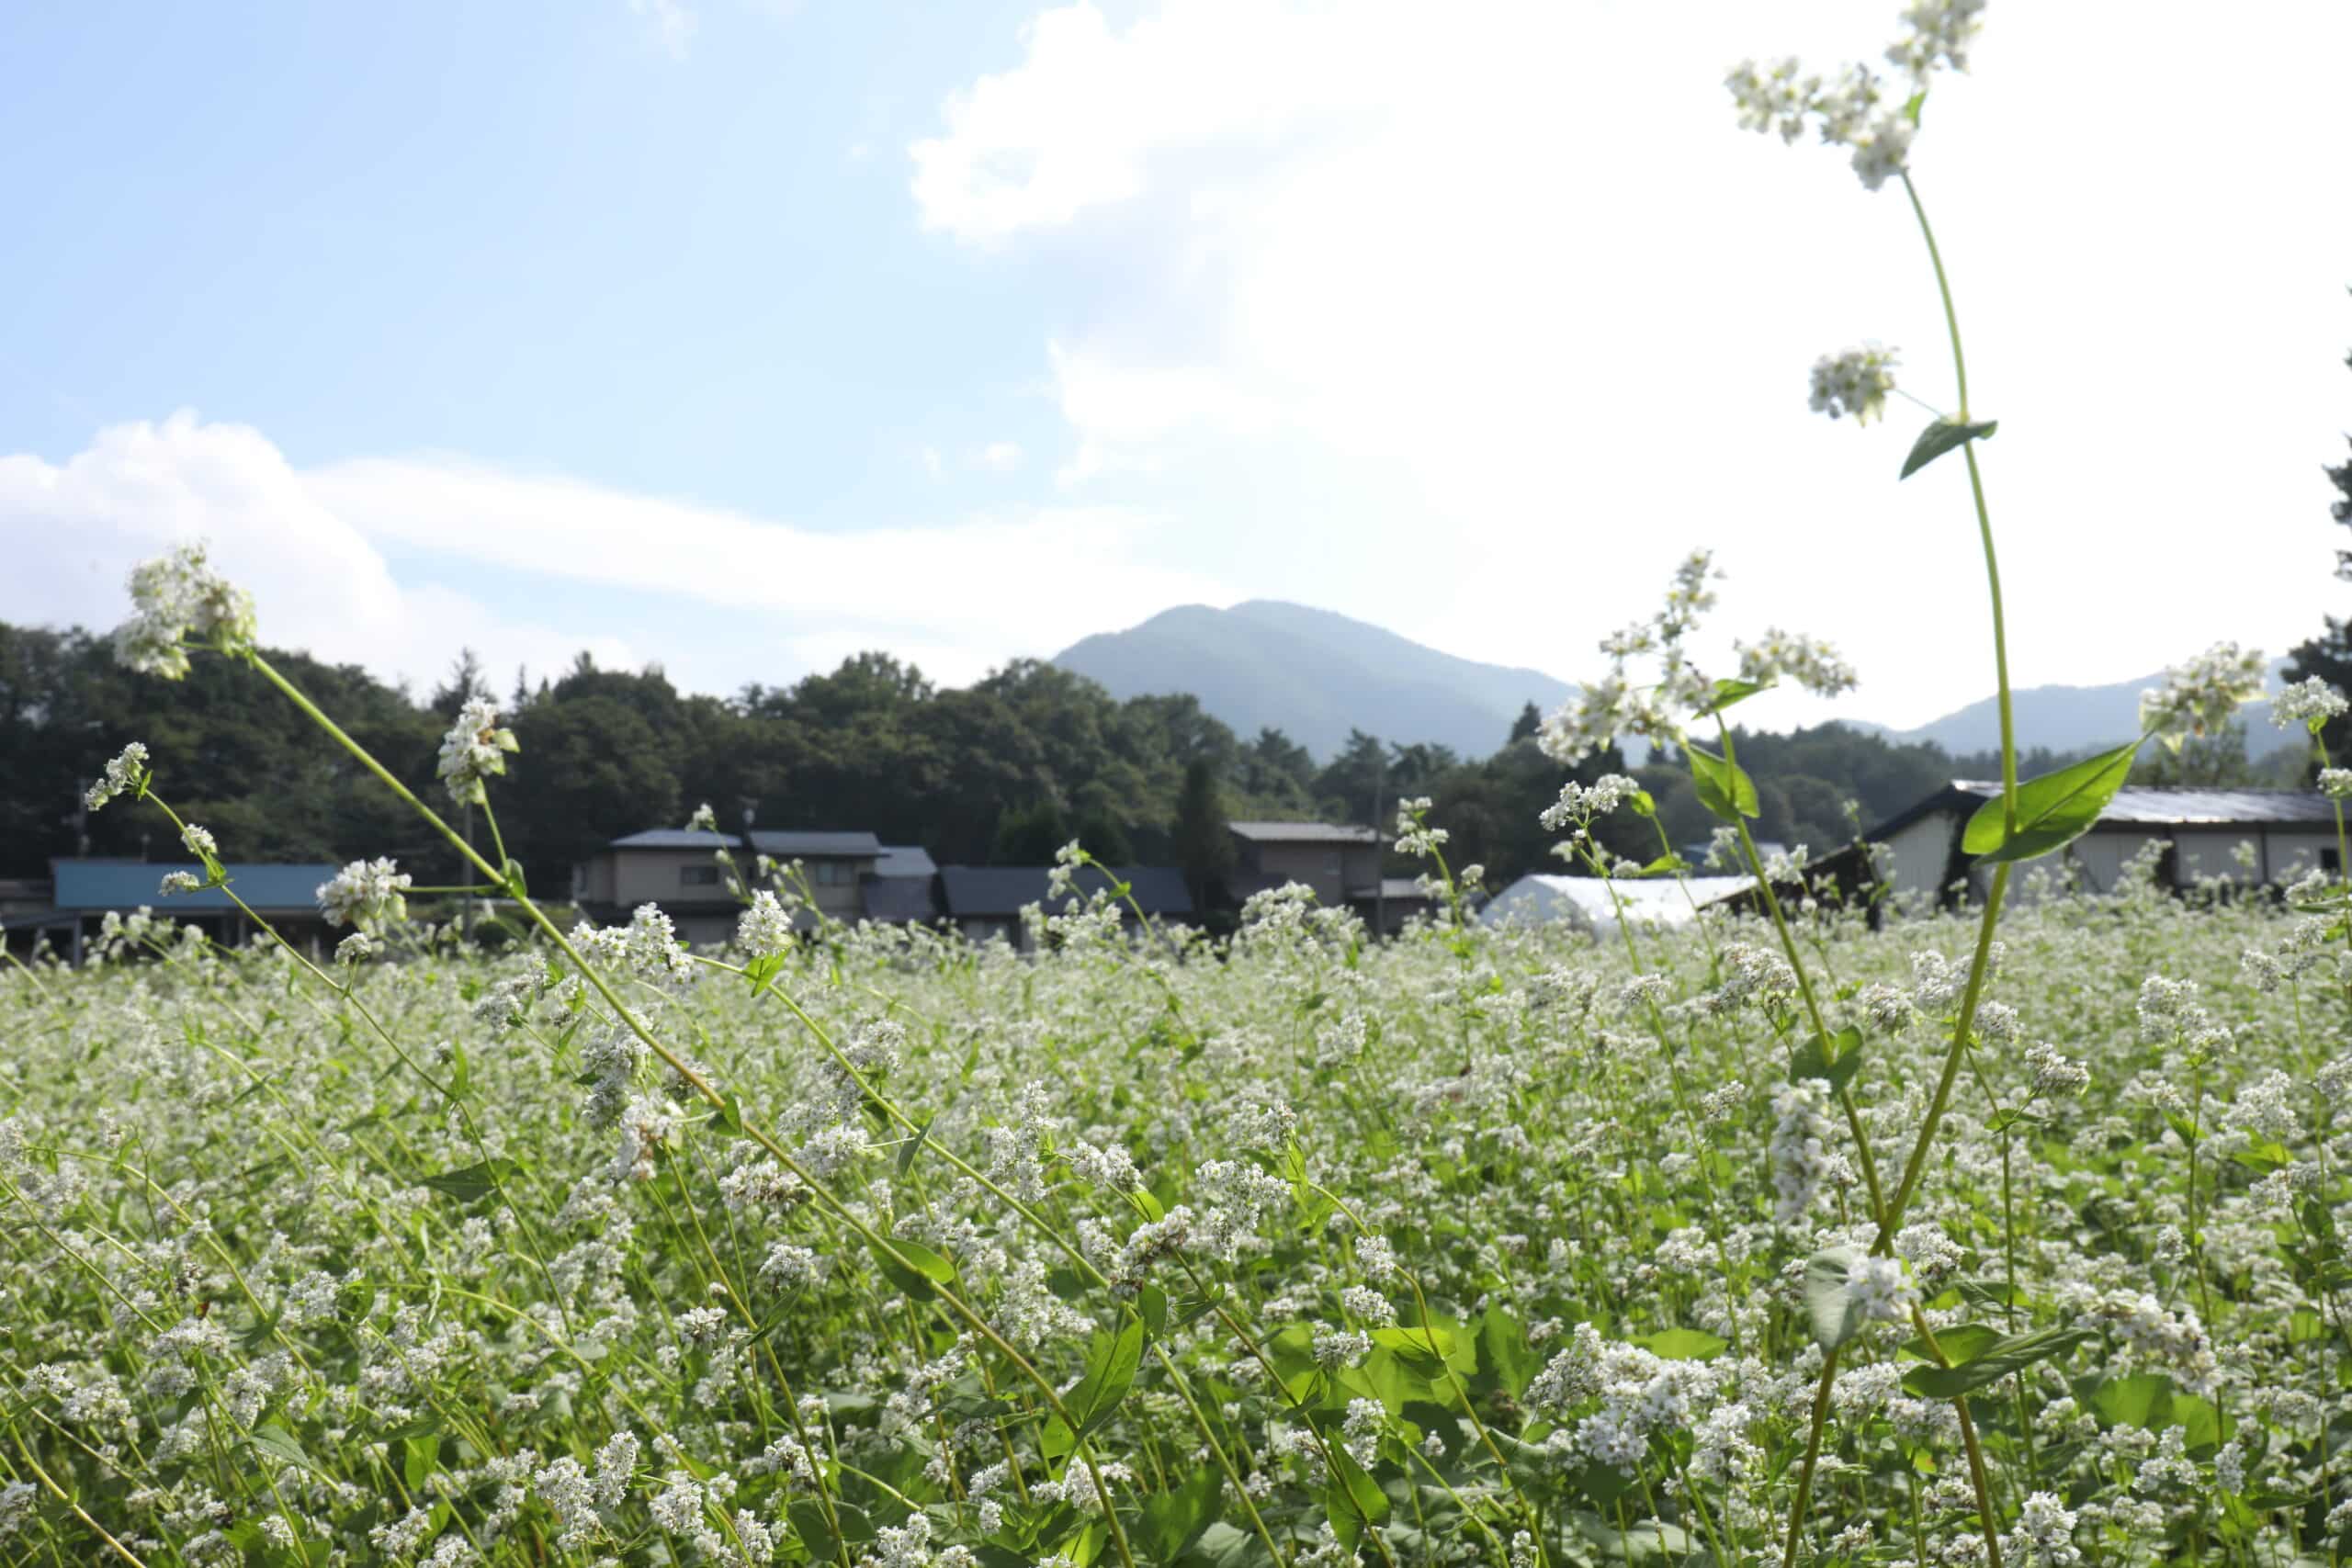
<point>1667,865</point>
<point>761,970</point>
<point>1413,1345</point>
<point>2143,1400</point>
<point>1642,803</point>
<point>1959,1345</point>
<point>912,1147</point>
<point>1942,436</point>
<point>2052,810</point>
<point>475,1180</point>
<point>1683,1345</point>
<point>1724,787</point>
<point>1503,1346</point>
<point>911,1267</point>
<point>1352,1499</point>
<point>1830,1308</point>
<point>272,1438</point>
<point>1650,1539</point>
<point>1111,1363</point>
<point>1728,694</point>
<point>1172,1520</point>
<point>1152,1302</point>
<point>1836,1058</point>
<point>1999,1360</point>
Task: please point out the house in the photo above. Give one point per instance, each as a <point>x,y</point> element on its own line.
<point>81,893</point>
<point>985,901</point>
<point>1588,902</point>
<point>2292,831</point>
<point>677,868</point>
<point>1340,862</point>
<point>851,876</point>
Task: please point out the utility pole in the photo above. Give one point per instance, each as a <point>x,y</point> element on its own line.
<point>1379,849</point>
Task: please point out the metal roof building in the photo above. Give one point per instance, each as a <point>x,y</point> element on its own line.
<point>1304,832</point>
<point>2198,829</point>
<point>986,901</point>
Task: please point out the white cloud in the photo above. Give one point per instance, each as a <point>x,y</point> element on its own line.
<point>75,529</point>
<point>1003,456</point>
<point>1512,294</point>
<point>315,547</point>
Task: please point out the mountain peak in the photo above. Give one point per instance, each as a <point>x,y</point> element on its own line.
<point>1314,674</point>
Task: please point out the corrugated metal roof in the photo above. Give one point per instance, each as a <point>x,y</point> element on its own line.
<point>674,839</point>
<point>783,843</point>
<point>984,891</point>
<point>786,844</point>
<point>904,860</point>
<point>1587,900</point>
<point>2189,806</point>
<point>99,885</point>
<point>1303,832</point>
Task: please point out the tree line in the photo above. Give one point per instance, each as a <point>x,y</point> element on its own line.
<point>1001,772</point>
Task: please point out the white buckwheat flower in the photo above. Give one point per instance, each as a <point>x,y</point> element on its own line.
<point>180,882</point>
<point>365,894</point>
<point>474,749</point>
<point>2336,782</point>
<point>1880,1288</point>
<point>2310,702</point>
<point>765,929</point>
<point>1800,1157</point>
<point>177,599</point>
<point>1939,32</point>
<point>1881,151</point>
<point>126,774</point>
<point>1854,383</point>
<point>2199,697</point>
<point>1809,661</point>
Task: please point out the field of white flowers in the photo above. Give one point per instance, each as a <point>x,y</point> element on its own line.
<point>1494,1249</point>
<point>1856,1236</point>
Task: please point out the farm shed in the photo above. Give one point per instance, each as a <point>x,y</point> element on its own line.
<point>82,893</point>
<point>2292,831</point>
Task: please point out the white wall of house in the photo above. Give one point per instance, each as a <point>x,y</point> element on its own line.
<point>1921,852</point>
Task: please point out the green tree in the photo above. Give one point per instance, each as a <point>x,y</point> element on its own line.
<point>1202,840</point>
<point>2329,655</point>
<point>1030,835</point>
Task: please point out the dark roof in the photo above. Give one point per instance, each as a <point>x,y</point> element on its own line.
<point>904,860</point>
<point>782,844</point>
<point>1303,832</point>
<point>674,839</point>
<point>901,898</point>
<point>98,884</point>
<point>984,891</point>
<point>790,844</point>
<point>2146,806</point>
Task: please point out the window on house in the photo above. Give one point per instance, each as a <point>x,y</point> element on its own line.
<point>828,874</point>
<point>1331,863</point>
<point>697,876</point>
<point>2330,861</point>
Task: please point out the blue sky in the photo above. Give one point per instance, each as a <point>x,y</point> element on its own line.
<point>738,334</point>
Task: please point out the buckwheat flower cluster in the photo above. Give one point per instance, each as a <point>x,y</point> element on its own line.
<point>177,599</point>
<point>1790,656</point>
<point>2199,697</point>
<point>1615,705</point>
<point>2046,1532</point>
<point>1939,32</point>
<point>2336,782</point>
<point>2309,702</point>
<point>1853,381</point>
<point>1579,804</point>
<point>1799,1153</point>
<point>126,774</point>
<point>2053,1074</point>
<point>180,882</point>
<point>1414,836</point>
<point>369,894</point>
<point>475,750</point>
<point>765,929</point>
<point>1638,1394</point>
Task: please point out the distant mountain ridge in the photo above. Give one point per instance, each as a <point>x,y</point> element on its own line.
<point>2073,718</point>
<point>1314,674</point>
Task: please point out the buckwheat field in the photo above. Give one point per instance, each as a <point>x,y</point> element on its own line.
<point>1844,1229</point>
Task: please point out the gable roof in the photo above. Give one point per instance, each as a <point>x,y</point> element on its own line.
<point>904,860</point>
<point>1303,832</point>
<point>984,892</point>
<point>784,844</point>
<point>126,884</point>
<point>2148,806</point>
